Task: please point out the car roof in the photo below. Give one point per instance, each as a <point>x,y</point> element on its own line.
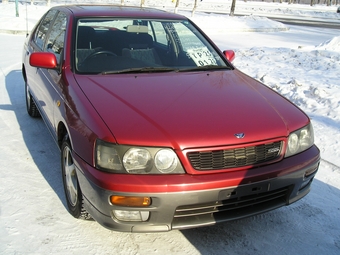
<point>119,11</point>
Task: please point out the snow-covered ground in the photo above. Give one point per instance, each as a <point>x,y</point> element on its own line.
<point>303,64</point>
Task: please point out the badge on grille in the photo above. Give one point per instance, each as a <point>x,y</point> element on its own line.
<point>273,150</point>
<point>240,135</point>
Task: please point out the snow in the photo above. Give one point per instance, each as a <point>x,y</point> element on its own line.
<point>301,63</point>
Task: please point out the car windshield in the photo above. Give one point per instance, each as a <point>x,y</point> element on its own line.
<point>108,46</point>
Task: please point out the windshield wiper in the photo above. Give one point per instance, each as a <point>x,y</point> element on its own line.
<point>166,69</point>
<point>142,70</point>
<point>204,68</point>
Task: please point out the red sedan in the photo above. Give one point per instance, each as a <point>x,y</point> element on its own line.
<point>157,129</point>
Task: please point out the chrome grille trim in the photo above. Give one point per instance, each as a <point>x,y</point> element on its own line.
<point>231,158</point>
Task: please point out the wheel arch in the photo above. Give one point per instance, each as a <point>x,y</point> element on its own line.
<point>23,71</point>
<point>61,133</point>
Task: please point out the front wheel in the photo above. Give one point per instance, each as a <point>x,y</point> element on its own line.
<point>74,196</point>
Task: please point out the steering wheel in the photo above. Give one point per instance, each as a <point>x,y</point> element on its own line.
<point>96,53</point>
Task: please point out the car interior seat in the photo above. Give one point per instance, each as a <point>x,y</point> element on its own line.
<point>141,48</point>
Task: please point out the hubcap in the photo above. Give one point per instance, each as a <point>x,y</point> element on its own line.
<point>71,181</point>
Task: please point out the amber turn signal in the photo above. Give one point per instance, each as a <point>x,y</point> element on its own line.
<point>130,201</point>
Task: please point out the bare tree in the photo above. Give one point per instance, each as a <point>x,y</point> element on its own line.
<point>194,9</point>
<point>16,8</point>
<point>176,6</point>
<point>232,9</point>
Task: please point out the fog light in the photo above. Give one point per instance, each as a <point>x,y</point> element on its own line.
<point>131,215</point>
<point>130,201</point>
<point>305,183</point>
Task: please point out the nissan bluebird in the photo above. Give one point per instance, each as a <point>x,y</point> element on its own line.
<point>157,129</point>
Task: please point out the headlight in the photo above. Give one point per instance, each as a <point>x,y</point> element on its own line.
<point>300,140</point>
<point>107,157</point>
<point>166,161</point>
<point>136,160</point>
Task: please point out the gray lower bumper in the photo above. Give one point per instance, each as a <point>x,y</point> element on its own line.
<point>180,210</point>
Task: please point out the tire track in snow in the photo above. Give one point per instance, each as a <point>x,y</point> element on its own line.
<point>330,163</point>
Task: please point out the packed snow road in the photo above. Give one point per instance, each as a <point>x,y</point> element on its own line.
<point>33,214</point>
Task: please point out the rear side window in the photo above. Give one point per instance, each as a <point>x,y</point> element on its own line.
<point>42,30</point>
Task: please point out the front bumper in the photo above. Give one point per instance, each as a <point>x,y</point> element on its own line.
<point>185,201</point>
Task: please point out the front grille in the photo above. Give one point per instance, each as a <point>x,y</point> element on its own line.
<point>223,159</point>
<point>230,209</point>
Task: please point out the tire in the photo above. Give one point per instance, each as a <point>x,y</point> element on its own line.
<point>73,194</point>
<point>31,107</point>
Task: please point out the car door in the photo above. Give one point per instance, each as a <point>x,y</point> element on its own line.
<point>49,37</point>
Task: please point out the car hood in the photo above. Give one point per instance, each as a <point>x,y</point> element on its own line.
<point>189,110</point>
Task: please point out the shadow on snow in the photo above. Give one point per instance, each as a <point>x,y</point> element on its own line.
<point>44,151</point>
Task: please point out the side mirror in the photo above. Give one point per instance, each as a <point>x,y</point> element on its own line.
<point>229,54</point>
<point>43,60</point>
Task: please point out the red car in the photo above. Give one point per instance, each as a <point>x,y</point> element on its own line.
<point>157,129</point>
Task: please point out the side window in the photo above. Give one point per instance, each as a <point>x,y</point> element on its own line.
<point>55,42</point>
<point>41,32</point>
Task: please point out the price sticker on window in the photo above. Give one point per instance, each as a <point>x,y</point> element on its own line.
<point>201,56</point>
